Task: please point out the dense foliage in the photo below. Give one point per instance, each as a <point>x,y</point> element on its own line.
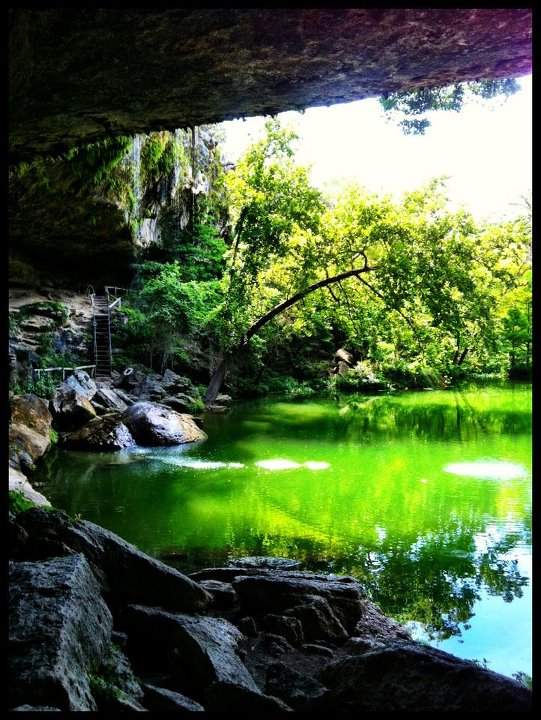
<point>418,294</point>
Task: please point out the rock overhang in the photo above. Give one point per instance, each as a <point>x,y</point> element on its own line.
<point>77,76</point>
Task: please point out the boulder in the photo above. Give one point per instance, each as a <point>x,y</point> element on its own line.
<point>151,389</point>
<point>107,432</point>
<point>333,604</point>
<point>32,412</point>
<point>122,568</point>
<point>71,409</point>
<point>226,696</point>
<point>176,384</point>
<point>110,399</point>
<point>131,379</point>
<point>190,657</point>
<point>152,424</point>
<point>181,402</point>
<point>344,356</point>
<point>206,648</point>
<point>300,691</point>
<point>59,629</point>
<point>82,383</point>
<point>412,677</point>
<point>158,699</point>
<point>26,446</point>
<point>19,483</point>
<point>29,430</point>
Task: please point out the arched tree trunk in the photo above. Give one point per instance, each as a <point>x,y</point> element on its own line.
<point>216,382</point>
<point>218,377</point>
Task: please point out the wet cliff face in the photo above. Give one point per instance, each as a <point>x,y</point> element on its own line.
<point>86,76</point>
<point>85,218</point>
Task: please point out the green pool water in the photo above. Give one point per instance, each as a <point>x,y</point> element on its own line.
<point>425,497</point>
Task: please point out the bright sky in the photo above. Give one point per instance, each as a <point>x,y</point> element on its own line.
<point>485,151</point>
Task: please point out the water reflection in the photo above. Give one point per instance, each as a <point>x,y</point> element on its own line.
<point>489,469</point>
<point>423,497</point>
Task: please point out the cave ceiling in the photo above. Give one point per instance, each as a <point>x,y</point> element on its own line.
<point>77,76</point>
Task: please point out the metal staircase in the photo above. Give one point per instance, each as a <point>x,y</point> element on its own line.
<point>102,335</point>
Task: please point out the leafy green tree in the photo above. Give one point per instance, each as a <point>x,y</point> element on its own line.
<point>411,283</point>
<point>412,105</point>
<point>170,311</point>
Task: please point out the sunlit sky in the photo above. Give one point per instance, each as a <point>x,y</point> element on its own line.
<point>486,150</point>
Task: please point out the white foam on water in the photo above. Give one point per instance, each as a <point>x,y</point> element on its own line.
<point>277,464</point>
<point>312,465</point>
<point>490,469</point>
<point>201,464</point>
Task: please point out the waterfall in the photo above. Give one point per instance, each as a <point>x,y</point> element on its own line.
<point>136,164</point>
<point>133,214</point>
<point>177,166</point>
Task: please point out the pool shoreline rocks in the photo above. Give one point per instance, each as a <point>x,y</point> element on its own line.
<point>95,624</point>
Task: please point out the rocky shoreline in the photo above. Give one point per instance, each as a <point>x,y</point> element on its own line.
<point>96,625</point>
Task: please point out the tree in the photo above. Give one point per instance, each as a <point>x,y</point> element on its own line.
<point>437,275</point>
<point>418,102</point>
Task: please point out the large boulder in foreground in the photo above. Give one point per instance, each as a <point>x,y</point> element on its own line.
<point>59,626</point>
<point>122,568</point>
<point>152,424</point>
<point>410,677</point>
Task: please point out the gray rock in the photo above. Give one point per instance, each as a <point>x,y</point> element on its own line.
<point>223,593</point>
<point>151,390</point>
<point>132,574</point>
<point>153,424</point>
<point>262,562</point>
<point>122,568</point>
<point>107,432</point>
<point>70,409</point>
<point>109,398</point>
<point>206,647</point>
<point>275,592</point>
<point>82,383</point>
<point>161,699</point>
<point>288,627</point>
<point>31,708</point>
<point>317,619</point>
<point>411,677</point>
<point>223,696</point>
<point>181,402</point>
<point>19,483</point>
<point>301,692</point>
<point>176,384</point>
<point>377,627</point>
<point>123,395</point>
<point>116,666</point>
<point>59,628</point>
